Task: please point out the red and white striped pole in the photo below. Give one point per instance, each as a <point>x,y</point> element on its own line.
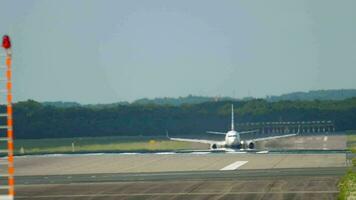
<point>6,44</point>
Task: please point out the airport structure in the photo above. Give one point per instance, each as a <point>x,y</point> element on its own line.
<point>307,127</point>
<point>6,128</point>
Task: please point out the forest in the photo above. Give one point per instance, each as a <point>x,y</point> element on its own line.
<point>37,120</point>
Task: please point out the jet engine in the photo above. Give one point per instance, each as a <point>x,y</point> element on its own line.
<point>251,145</point>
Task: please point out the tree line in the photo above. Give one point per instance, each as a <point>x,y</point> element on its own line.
<point>36,120</point>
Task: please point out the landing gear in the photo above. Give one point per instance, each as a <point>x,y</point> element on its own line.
<point>244,146</point>
<point>214,146</point>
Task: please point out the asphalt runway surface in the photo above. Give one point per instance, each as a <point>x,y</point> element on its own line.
<point>166,162</point>
<point>309,183</point>
<point>194,175</point>
<point>180,176</point>
<point>322,142</point>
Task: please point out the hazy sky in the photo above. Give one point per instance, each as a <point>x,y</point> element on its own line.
<point>109,51</point>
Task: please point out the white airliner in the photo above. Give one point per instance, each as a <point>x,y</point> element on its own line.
<point>232,138</point>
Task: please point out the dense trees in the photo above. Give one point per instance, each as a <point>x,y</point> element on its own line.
<point>339,94</point>
<point>190,99</point>
<point>35,120</point>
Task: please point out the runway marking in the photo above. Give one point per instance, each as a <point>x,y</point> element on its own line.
<point>234,165</point>
<point>165,153</point>
<point>262,152</point>
<point>172,194</point>
<point>200,153</point>
<point>235,152</point>
<point>325,138</point>
<point>129,153</point>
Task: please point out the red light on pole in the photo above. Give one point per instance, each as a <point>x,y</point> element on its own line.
<point>6,43</point>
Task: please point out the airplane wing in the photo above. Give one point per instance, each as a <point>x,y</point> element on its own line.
<point>278,136</point>
<point>273,137</point>
<point>217,133</point>
<point>243,132</point>
<point>195,140</point>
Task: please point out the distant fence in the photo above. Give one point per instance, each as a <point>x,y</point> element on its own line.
<point>289,127</point>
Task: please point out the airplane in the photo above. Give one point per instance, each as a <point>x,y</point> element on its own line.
<point>232,138</point>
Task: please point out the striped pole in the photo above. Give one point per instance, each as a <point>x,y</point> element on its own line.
<point>10,144</point>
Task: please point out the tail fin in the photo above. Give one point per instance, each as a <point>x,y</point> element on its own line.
<point>232,117</point>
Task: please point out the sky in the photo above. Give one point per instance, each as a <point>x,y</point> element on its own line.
<point>121,50</point>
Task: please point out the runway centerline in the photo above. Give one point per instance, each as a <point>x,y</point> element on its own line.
<point>234,165</point>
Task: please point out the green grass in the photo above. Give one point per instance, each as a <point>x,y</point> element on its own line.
<point>347,186</point>
<point>351,142</point>
<point>100,144</point>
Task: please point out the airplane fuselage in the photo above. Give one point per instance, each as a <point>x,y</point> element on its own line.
<point>232,138</point>
<point>233,141</point>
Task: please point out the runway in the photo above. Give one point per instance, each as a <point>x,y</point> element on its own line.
<point>322,142</point>
<point>303,173</point>
<point>301,188</point>
<point>186,175</point>
<point>180,176</point>
<point>144,163</point>
<point>311,183</point>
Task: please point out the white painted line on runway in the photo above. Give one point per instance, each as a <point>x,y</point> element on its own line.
<point>129,153</point>
<point>234,165</point>
<point>236,152</point>
<point>200,153</point>
<point>87,154</point>
<point>165,153</point>
<point>325,138</point>
<point>324,146</point>
<point>262,152</point>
